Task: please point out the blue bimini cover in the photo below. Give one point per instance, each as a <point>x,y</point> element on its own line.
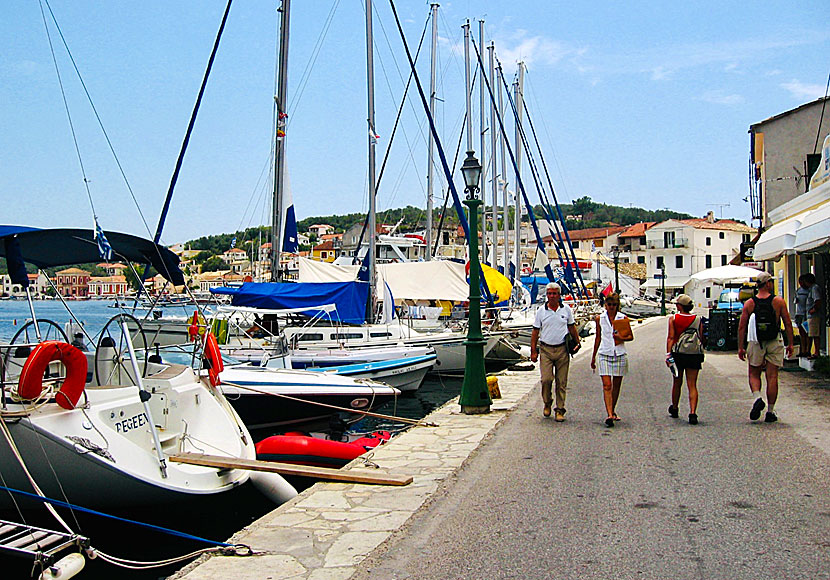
<point>349,297</point>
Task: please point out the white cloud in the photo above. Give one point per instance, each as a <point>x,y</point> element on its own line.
<point>534,50</point>
<point>803,90</point>
<point>721,98</point>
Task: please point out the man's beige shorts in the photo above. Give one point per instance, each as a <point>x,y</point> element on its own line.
<point>814,327</point>
<point>772,351</point>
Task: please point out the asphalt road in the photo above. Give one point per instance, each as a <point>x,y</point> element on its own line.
<point>654,497</point>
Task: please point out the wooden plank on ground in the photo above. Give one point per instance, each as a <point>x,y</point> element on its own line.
<point>324,473</point>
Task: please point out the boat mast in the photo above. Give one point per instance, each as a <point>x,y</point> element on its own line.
<point>469,103</point>
<point>505,224</point>
<point>518,89</point>
<point>430,176</point>
<point>278,224</point>
<point>370,92</point>
<point>494,249</point>
<point>482,130</point>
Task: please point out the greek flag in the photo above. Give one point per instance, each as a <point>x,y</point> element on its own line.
<point>233,242</point>
<point>104,248</point>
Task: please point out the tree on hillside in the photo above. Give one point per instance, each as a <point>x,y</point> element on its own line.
<point>213,264</point>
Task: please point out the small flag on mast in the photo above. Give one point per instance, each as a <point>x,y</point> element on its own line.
<point>104,247</point>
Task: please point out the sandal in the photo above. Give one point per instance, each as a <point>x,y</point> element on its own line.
<point>616,417</point>
<point>609,422</point>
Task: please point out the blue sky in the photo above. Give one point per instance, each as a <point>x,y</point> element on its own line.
<point>642,103</point>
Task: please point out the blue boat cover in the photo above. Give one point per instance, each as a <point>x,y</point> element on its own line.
<point>349,297</point>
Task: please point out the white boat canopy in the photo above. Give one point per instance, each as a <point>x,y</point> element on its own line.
<point>433,280</point>
<point>671,282</point>
<point>726,275</point>
<point>779,239</point>
<point>814,231</point>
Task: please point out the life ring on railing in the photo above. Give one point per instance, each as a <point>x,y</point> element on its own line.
<point>30,383</point>
<point>214,357</point>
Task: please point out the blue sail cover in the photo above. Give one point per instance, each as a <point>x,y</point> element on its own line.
<point>349,297</point>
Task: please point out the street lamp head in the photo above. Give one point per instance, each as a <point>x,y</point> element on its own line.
<point>471,170</point>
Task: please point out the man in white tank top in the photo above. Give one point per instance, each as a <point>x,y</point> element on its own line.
<point>553,323</point>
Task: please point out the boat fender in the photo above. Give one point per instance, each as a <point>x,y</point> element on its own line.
<point>66,567</point>
<point>493,387</point>
<point>197,326</point>
<point>214,357</point>
<point>273,486</point>
<point>30,383</point>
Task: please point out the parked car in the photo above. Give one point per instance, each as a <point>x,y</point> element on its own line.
<point>733,298</point>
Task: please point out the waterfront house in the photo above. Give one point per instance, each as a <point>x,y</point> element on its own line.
<point>72,283</point>
<point>680,248</point>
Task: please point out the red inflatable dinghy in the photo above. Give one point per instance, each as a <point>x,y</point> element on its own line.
<point>303,449</point>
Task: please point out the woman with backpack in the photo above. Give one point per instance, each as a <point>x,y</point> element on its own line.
<point>684,348</point>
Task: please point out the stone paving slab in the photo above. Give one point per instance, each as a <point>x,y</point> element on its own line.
<point>331,527</point>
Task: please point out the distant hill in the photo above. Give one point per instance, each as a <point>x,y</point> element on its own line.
<point>582,213</point>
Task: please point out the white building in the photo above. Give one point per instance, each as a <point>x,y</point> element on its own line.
<point>680,248</point>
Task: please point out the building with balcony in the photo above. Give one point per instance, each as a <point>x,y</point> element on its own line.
<point>677,249</point>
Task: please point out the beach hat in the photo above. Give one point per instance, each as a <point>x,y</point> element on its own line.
<point>763,278</point>
<point>684,300</point>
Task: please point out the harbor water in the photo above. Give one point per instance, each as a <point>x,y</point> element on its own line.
<point>216,520</point>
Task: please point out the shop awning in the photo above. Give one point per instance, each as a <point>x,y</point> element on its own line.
<point>779,239</point>
<point>671,282</point>
<point>814,231</point>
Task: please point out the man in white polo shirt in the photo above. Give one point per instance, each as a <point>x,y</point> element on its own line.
<point>553,323</point>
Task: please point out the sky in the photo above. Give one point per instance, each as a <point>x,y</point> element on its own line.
<point>636,103</point>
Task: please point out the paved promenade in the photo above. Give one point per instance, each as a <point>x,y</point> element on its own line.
<point>514,495</point>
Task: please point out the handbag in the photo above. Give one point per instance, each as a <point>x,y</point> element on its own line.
<point>570,344</point>
<point>622,330</point>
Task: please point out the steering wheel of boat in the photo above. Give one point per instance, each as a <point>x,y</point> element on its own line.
<point>112,355</point>
<point>21,344</point>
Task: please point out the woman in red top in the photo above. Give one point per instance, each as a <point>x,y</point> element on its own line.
<point>687,362</point>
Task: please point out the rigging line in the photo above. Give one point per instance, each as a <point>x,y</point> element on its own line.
<point>459,210</point>
<point>97,116</point>
<point>66,108</point>
<point>547,134</point>
<point>315,53</point>
<point>391,92</point>
<point>447,194</point>
<point>823,105</point>
<point>540,245</point>
<point>400,110</point>
<point>59,503</point>
<point>553,194</point>
<point>523,135</point>
<point>192,122</point>
<point>391,139</point>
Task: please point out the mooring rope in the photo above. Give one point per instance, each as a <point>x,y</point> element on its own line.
<point>420,422</point>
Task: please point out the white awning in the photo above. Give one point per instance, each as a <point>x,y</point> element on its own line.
<point>779,239</point>
<point>814,230</point>
<point>671,282</point>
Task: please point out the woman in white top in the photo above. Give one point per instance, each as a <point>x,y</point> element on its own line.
<point>613,360</point>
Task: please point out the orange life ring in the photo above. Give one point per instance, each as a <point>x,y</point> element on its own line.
<point>30,383</point>
<point>214,355</point>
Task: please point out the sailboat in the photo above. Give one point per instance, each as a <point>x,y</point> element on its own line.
<point>99,426</point>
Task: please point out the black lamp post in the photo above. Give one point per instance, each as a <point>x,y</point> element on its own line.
<point>475,397</point>
<point>663,287</point>
<point>615,253</point>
